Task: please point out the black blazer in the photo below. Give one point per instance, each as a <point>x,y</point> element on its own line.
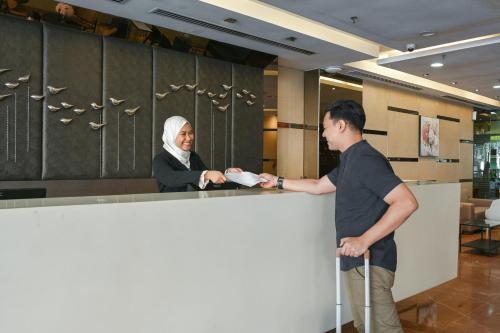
<point>173,176</point>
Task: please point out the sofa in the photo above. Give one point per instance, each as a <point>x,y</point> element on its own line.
<point>474,209</point>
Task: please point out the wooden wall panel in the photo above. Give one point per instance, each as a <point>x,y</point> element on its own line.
<point>402,99</point>
<point>429,107</point>
<point>464,113</point>
<point>402,134</point>
<point>311,149</point>
<point>449,139</point>
<point>427,169</point>
<point>290,152</point>
<point>406,170</point>
<point>375,105</point>
<point>466,161</point>
<point>378,142</point>
<point>447,172</point>
<point>290,96</point>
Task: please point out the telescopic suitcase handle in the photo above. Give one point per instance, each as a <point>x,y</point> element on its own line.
<point>366,256</point>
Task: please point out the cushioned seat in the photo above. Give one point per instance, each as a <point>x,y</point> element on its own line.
<point>493,213</point>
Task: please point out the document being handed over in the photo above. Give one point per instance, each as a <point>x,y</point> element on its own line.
<point>245,178</point>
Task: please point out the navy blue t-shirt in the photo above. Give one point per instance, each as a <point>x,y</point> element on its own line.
<point>363,178</point>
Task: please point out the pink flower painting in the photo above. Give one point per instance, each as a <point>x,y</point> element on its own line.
<point>429,136</point>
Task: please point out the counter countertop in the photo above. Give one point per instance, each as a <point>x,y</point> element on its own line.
<point>129,198</point>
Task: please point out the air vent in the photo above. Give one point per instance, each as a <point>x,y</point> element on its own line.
<point>382,79</point>
<point>211,26</point>
<point>465,101</point>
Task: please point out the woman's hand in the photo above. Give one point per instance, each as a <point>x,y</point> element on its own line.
<point>215,177</point>
<point>233,170</point>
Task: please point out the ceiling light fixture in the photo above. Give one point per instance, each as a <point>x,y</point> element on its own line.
<point>427,34</point>
<point>438,64</point>
<point>454,83</point>
<point>476,90</point>
<point>497,85</point>
<point>333,69</point>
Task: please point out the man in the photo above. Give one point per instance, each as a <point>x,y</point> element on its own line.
<point>371,202</point>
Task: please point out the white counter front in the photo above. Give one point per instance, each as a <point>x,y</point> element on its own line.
<point>228,261</point>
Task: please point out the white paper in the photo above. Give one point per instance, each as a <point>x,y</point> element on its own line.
<point>245,178</point>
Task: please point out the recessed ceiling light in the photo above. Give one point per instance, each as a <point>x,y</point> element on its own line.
<point>476,90</point>
<point>333,69</point>
<point>291,39</point>
<point>454,83</point>
<point>427,33</point>
<point>497,85</point>
<point>333,88</point>
<point>438,63</point>
<point>230,20</point>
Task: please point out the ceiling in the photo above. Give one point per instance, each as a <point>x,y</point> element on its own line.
<point>471,68</point>
<point>325,28</point>
<point>395,23</point>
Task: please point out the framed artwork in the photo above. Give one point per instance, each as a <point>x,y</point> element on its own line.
<point>429,137</point>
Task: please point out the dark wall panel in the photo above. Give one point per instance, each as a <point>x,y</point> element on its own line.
<point>212,135</point>
<point>72,60</point>
<point>127,140</point>
<point>20,116</point>
<point>247,119</point>
<point>170,67</point>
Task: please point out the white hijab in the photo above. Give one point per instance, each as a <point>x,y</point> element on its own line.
<point>171,128</point>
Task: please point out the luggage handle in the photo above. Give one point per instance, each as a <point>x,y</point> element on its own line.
<point>366,256</point>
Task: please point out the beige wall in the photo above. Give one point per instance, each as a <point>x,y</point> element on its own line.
<point>402,133</point>
<point>402,130</point>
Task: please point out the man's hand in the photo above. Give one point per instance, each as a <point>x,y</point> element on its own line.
<point>271,180</point>
<point>352,246</point>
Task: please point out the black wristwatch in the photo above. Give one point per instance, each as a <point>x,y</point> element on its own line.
<point>279,183</point>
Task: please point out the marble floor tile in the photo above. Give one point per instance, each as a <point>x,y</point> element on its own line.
<point>468,304</point>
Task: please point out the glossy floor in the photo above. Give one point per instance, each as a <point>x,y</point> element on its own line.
<point>468,304</point>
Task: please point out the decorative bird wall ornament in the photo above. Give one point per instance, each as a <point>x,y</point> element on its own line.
<point>116,102</point>
<point>96,126</point>
<point>54,90</point>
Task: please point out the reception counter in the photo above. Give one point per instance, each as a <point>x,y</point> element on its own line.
<point>223,261</point>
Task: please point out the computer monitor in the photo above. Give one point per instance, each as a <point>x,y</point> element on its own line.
<point>22,193</point>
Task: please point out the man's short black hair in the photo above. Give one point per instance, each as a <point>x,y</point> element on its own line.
<point>350,111</point>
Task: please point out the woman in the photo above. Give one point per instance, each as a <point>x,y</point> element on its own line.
<point>177,168</point>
